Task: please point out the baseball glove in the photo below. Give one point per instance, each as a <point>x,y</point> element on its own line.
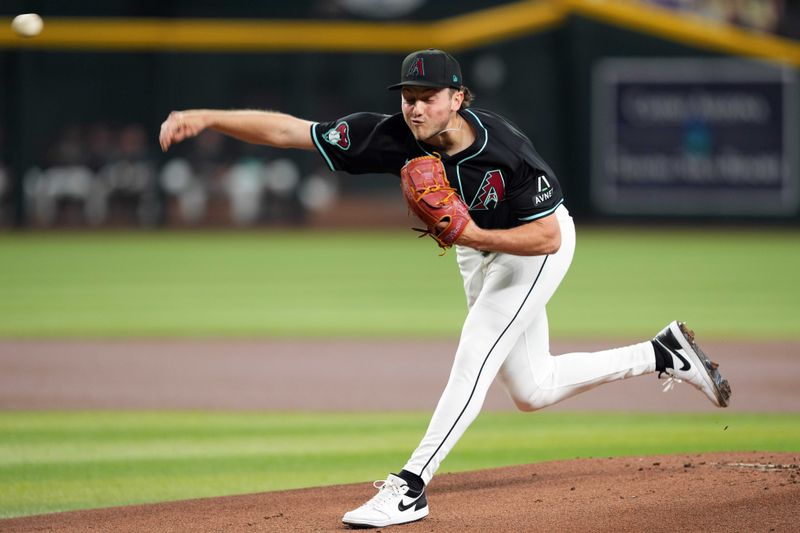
<point>430,196</point>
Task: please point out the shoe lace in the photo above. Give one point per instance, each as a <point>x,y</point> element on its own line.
<point>386,492</point>
<point>671,380</point>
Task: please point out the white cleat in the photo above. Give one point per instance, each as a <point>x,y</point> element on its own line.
<point>395,503</point>
<point>691,364</point>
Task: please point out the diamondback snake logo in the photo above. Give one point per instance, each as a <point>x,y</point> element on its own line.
<point>339,135</point>
<point>417,69</point>
<point>490,193</point>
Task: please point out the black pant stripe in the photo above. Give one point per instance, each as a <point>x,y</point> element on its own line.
<point>475,386</point>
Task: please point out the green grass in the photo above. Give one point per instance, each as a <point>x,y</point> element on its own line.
<point>58,461</point>
<point>623,283</point>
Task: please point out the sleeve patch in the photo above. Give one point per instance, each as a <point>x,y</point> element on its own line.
<point>339,135</point>
<point>544,190</point>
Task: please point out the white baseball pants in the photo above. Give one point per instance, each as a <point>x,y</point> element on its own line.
<point>505,335</point>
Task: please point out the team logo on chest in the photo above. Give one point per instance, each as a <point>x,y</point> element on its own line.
<point>490,193</point>
<point>340,135</point>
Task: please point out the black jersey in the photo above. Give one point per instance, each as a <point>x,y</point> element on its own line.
<point>500,176</point>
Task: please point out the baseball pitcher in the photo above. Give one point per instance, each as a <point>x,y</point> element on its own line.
<point>476,182</point>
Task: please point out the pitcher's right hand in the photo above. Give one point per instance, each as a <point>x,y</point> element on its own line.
<point>180,125</point>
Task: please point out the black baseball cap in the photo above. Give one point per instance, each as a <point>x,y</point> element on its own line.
<point>430,68</point>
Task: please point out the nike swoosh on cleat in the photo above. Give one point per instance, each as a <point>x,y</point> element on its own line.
<point>403,508</point>
<point>686,365</point>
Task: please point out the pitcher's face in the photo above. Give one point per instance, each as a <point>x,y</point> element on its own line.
<point>428,110</point>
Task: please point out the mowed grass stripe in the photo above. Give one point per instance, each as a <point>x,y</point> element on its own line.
<point>623,283</point>
<point>59,461</point>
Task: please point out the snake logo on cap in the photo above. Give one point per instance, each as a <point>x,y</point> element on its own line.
<point>417,68</point>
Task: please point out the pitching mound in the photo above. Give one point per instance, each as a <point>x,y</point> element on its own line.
<point>708,492</point>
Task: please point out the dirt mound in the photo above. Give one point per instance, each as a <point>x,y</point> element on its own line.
<point>704,492</point>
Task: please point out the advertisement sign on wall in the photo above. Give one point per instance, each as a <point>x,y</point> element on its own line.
<point>699,136</point>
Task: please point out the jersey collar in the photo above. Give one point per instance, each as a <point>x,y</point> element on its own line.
<point>471,150</point>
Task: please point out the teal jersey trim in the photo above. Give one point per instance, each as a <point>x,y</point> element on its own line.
<point>319,146</point>
<point>485,141</point>
<point>544,213</point>
<point>421,148</point>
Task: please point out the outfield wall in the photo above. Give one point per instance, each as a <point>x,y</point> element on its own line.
<point>541,73</point>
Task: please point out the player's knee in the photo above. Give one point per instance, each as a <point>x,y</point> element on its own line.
<point>527,405</point>
<point>538,399</point>
<point>524,406</point>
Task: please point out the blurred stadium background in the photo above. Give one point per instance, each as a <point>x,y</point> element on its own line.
<point>664,109</point>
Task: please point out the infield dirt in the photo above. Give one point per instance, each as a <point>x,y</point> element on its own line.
<point>710,492</point>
